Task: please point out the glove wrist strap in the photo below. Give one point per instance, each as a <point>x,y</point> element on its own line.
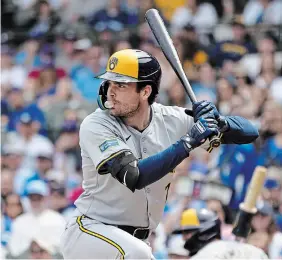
<point>223,124</point>
<point>189,143</point>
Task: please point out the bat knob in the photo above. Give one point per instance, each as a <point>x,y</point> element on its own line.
<point>242,225</point>
<point>214,142</point>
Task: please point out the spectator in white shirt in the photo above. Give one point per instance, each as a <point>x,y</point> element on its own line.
<point>266,45</point>
<point>276,88</point>
<point>13,162</point>
<point>263,11</point>
<point>11,75</point>
<point>27,137</point>
<point>203,16</point>
<point>26,226</point>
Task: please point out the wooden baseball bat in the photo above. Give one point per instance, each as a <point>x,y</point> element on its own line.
<point>247,209</point>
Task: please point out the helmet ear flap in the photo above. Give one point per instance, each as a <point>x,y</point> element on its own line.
<point>102,97</point>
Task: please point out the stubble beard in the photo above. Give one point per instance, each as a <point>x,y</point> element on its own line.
<point>127,111</point>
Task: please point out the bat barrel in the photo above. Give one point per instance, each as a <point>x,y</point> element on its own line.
<point>164,40</point>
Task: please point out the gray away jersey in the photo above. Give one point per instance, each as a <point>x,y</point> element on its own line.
<point>102,137</point>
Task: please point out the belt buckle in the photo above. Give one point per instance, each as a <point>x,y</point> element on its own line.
<point>137,229</point>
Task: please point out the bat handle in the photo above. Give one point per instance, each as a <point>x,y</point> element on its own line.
<point>214,142</point>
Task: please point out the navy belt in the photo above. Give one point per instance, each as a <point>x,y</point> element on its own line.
<point>138,232</point>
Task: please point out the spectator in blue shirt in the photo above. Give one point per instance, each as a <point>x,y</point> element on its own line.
<point>273,189</point>
<point>86,83</point>
<point>132,10</point>
<point>271,153</point>
<point>205,88</point>
<point>236,165</point>
<point>80,48</point>
<point>234,49</point>
<point>28,55</point>
<point>112,17</point>
<point>17,107</point>
<point>44,163</point>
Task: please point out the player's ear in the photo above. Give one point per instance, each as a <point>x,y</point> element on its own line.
<point>146,92</point>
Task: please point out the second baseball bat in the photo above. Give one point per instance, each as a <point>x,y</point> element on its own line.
<point>242,225</point>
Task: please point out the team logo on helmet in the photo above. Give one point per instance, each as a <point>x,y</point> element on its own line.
<point>113,62</point>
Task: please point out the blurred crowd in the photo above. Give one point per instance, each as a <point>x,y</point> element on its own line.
<point>51,51</point>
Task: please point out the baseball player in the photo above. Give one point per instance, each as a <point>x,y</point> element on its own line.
<point>201,230</point>
<point>129,148</point>
<point>198,228</point>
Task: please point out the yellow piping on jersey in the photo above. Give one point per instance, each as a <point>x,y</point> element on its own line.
<point>107,159</point>
<point>89,232</point>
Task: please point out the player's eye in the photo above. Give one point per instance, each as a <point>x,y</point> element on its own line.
<point>121,86</point>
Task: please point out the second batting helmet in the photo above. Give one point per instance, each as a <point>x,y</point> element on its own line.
<point>207,230</point>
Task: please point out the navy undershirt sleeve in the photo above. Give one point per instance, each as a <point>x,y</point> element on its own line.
<point>241,131</point>
<point>155,167</point>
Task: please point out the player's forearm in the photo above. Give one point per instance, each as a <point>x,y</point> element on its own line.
<point>155,167</point>
<point>240,131</point>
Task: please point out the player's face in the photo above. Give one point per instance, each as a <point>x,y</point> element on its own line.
<point>125,99</point>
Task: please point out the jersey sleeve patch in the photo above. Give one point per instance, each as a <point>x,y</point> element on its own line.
<point>108,143</point>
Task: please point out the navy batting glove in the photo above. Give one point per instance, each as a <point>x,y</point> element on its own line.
<point>201,108</point>
<point>200,131</point>
<point>208,109</point>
